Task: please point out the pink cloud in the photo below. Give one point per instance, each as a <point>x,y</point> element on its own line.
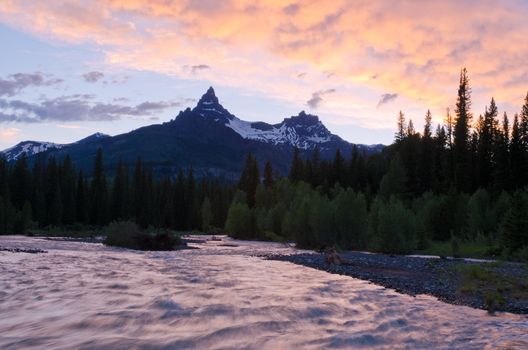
<point>415,49</point>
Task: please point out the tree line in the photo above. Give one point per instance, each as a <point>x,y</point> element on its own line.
<point>53,194</point>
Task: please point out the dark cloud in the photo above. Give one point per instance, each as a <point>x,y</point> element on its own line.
<point>16,82</point>
<point>386,98</point>
<point>93,77</point>
<point>301,75</point>
<point>291,9</point>
<point>75,108</point>
<point>196,68</point>
<point>317,98</point>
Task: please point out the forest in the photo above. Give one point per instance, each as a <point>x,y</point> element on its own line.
<point>460,185</point>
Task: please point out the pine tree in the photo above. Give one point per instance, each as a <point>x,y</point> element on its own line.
<point>440,167</point>
<point>138,188</point>
<point>53,194</point>
<point>269,181</point>
<point>394,182</point>
<point>501,156</point>
<point>249,179</point>
<point>67,184</point>
<point>410,129</point>
<point>296,169</point>
<point>180,215</point>
<point>515,225</point>
<point>401,128</point>
<point>120,192</point>
<point>523,131</point>
<point>487,130</point>
<point>99,192</point>
<point>516,156</point>
<point>192,205</point>
<point>339,175</point>
<point>20,184</point>
<point>426,156</point>
<point>461,134</point>
<point>81,199</point>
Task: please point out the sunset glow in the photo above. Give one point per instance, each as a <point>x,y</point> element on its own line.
<point>355,64</point>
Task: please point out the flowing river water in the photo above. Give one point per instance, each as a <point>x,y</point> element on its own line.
<point>89,296</point>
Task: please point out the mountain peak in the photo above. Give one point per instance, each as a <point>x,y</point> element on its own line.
<point>209,107</point>
<point>303,118</point>
<point>209,98</point>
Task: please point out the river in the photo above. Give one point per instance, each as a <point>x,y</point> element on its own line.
<point>89,296</point>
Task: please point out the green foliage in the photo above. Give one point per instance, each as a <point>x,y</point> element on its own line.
<point>514,228</point>
<point>394,182</point>
<point>481,220</point>
<point>238,223</point>
<point>350,214</point>
<point>392,228</point>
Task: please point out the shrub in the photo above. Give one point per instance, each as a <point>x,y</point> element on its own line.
<point>238,223</point>
<point>127,234</point>
<point>392,227</point>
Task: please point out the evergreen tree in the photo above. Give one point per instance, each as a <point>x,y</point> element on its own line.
<point>515,225</point>
<point>99,192</point>
<point>394,182</point>
<point>249,179</point>
<point>296,169</point>
<point>487,129</point>
<point>192,205</point>
<point>461,134</point>
<point>67,185</point>
<point>401,128</point>
<point>81,199</point>
<point>180,214</point>
<point>138,185</point>
<point>501,174</point>
<point>20,185</point>
<point>440,167</point>
<point>427,156</point>
<point>517,156</point>
<point>338,170</point>
<point>53,194</point>
<point>269,180</point>
<point>120,192</point>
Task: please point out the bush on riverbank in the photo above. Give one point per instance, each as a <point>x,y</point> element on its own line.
<point>127,234</point>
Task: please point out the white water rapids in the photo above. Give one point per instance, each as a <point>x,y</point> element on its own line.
<point>88,296</point>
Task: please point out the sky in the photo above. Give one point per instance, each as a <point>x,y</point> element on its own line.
<point>72,68</point>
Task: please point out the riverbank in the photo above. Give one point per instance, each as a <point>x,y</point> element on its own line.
<point>496,286</point>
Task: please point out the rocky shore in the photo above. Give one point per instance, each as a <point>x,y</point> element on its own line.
<point>490,286</point>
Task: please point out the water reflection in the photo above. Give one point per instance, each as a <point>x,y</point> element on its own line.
<point>82,295</point>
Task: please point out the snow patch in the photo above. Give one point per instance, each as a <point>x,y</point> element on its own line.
<point>281,134</point>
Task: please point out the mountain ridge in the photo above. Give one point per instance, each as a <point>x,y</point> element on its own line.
<point>207,137</point>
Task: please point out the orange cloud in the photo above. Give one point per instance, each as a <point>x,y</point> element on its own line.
<point>360,49</point>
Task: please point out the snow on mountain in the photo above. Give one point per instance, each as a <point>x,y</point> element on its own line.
<point>304,136</point>
<point>29,148</point>
<point>303,131</point>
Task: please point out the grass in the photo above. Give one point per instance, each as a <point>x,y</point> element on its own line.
<point>486,281</point>
<point>476,250</point>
